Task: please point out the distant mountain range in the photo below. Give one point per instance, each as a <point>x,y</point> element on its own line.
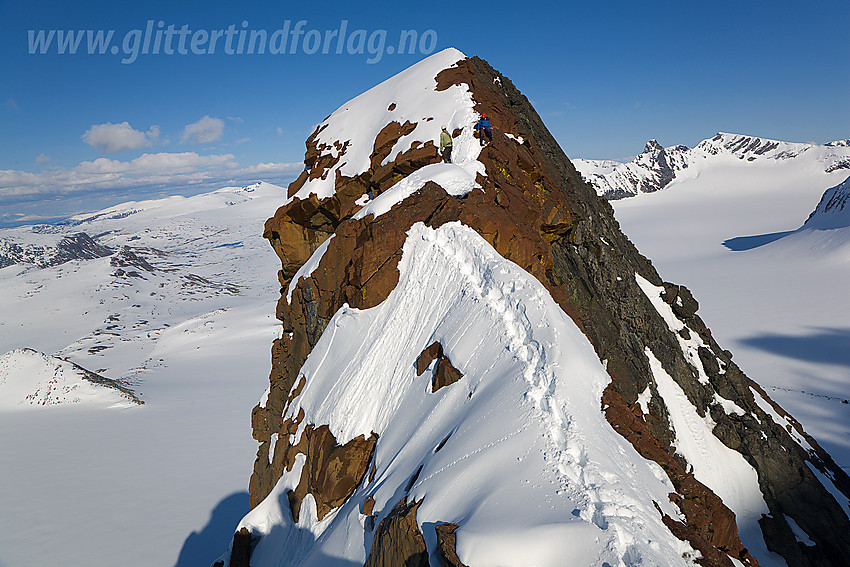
<point>656,167</point>
<point>177,255</point>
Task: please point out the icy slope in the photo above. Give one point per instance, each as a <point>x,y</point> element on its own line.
<point>656,167</point>
<point>529,466</point>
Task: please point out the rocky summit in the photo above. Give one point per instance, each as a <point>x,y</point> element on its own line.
<point>476,366</point>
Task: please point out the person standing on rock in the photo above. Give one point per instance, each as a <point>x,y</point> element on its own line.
<point>446,145</point>
<point>483,129</point>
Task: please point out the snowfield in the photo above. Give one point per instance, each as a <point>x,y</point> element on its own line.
<point>181,313</point>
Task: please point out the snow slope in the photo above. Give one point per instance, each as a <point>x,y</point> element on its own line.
<point>179,312</point>
<point>349,133</point>
<point>531,468</point>
<point>29,378</point>
<point>832,211</point>
<point>771,288</point>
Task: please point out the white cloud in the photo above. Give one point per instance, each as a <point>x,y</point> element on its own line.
<point>110,138</point>
<point>153,134</point>
<point>165,169</point>
<point>42,158</point>
<point>164,163</point>
<point>11,105</point>
<point>243,140</point>
<point>279,130</point>
<point>204,131</point>
<point>270,169</point>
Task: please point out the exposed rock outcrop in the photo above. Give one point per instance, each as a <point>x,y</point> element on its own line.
<point>332,472</point>
<point>398,541</point>
<point>445,374</point>
<point>447,545</point>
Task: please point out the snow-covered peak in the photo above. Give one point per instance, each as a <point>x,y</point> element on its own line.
<point>259,186</point>
<point>652,146</point>
<point>346,139</point>
<point>650,171</point>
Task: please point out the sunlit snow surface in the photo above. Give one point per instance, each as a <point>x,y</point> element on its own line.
<point>94,484</point>
<point>29,379</point>
<point>532,471</point>
<point>409,96</point>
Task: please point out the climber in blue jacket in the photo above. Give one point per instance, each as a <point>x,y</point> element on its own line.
<point>483,128</point>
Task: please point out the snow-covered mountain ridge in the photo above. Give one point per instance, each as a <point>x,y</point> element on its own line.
<point>657,166</point>
<point>570,372</point>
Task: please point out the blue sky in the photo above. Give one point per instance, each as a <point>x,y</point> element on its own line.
<point>605,77</point>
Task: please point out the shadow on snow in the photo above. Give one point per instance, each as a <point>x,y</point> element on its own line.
<point>742,243</point>
<point>201,549</point>
<point>825,345</point>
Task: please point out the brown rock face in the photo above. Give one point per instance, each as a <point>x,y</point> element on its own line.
<point>447,545</point>
<point>445,374</point>
<point>240,551</point>
<point>536,211</point>
<point>332,471</point>
<point>298,229</point>
<point>398,541</point>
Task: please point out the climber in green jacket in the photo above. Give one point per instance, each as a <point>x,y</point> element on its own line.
<point>446,145</point>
